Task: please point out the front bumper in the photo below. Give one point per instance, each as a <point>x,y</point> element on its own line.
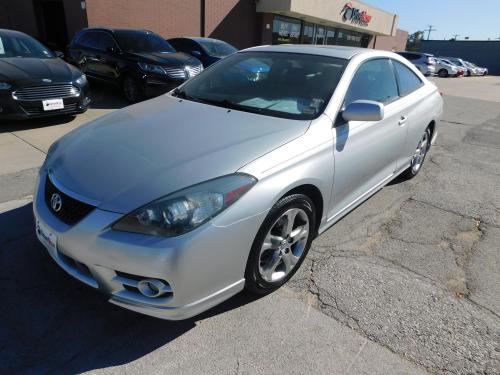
<point>12,109</point>
<point>203,267</point>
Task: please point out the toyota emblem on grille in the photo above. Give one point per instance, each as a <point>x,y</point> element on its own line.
<point>56,202</point>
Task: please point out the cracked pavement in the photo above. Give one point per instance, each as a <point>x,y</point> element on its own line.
<point>409,282</point>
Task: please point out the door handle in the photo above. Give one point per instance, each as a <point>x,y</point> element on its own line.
<point>402,120</point>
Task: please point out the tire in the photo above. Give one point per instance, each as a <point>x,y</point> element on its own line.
<point>443,73</point>
<point>275,256</point>
<point>131,89</point>
<point>418,157</point>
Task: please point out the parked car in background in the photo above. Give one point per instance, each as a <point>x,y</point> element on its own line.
<point>461,63</point>
<point>207,50</point>
<point>142,62</point>
<point>461,70</point>
<point>173,205</point>
<point>35,82</point>
<point>424,62</point>
<point>445,68</point>
<point>476,70</point>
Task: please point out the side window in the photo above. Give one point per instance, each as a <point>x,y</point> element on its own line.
<point>106,41</point>
<point>375,81</point>
<point>408,81</point>
<point>90,40</point>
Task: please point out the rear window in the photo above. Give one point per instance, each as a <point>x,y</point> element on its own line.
<point>408,80</point>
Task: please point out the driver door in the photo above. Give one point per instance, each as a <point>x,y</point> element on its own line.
<point>366,152</point>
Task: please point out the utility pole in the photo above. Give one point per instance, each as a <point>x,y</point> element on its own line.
<point>429,30</point>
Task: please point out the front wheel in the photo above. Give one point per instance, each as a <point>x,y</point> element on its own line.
<point>131,89</point>
<point>443,73</point>
<point>281,244</point>
<point>419,155</point>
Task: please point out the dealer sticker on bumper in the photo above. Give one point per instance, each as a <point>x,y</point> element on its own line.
<point>52,104</point>
<point>46,237</point>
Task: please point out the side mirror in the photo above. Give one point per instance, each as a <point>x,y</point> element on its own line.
<point>363,110</point>
<point>196,54</point>
<point>111,49</point>
<point>59,54</point>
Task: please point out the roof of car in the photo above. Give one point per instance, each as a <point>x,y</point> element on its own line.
<point>11,32</point>
<point>115,29</point>
<point>198,38</point>
<point>341,52</point>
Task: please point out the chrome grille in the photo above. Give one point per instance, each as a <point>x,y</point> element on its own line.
<point>175,72</point>
<point>46,92</point>
<point>194,70</point>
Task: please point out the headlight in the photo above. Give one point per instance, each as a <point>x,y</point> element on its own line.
<point>5,86</point>
<point>151,68</point>
<point>82,80</point>
<point>187,209</point>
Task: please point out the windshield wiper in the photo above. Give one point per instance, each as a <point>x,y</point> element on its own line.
<point>225,103</point>
<point>183,95</point>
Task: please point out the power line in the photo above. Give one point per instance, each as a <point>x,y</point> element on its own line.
<point>429,30</point>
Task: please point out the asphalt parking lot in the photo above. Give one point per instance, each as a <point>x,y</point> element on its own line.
<point>408,283</point>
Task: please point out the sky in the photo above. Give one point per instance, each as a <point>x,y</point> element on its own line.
<point>473,19</point>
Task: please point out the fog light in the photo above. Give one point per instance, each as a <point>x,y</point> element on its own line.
<point>1,109</point>
<point>153,288</point>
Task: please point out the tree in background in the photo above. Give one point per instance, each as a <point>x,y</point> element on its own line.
<point>415,41</point>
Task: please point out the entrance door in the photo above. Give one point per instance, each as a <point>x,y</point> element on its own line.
<point>52,23</point>
<point>320,35</point>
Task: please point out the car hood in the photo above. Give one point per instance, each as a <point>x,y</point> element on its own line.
<point>140,153</point>
<point>168,58</point>
<point>15,69</point>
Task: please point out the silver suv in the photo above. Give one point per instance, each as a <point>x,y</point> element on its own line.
<point>424,62</point>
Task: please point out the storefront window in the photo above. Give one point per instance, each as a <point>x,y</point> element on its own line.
<point>352,38</point>
<point>286,30</point>
<point>308,33</point>
<point>294,31</point>
<point>330,36</point>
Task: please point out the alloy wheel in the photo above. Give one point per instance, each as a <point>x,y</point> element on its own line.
<point>284,245</point>
<point>419,155</point>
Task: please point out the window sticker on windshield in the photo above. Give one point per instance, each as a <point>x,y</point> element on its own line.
<point>2,50</point>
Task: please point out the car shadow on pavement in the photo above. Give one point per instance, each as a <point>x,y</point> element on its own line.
<point>53,324</point>
<point>106,96</point>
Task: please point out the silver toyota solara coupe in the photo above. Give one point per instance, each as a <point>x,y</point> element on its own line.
<point>175,204</point>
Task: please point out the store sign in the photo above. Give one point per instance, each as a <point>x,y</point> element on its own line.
<point>355,16</point>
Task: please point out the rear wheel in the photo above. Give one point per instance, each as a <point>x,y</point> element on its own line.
<point>131,89</point>
<point>281,244</point>
<point>443,73</point>
<point>419,155</point>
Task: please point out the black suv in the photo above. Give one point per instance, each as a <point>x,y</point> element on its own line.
<point>142,62</point>
<point>207,50</point>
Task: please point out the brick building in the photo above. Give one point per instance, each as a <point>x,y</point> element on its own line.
<point>242,23</point>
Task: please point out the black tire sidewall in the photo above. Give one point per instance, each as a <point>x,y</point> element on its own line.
<point>254,282</point>
<point>131,79</point>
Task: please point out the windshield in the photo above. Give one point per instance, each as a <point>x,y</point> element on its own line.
<point>19,45</point>
<point>289,85</point>
<point>217,48</point>
<point>142,41</point>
